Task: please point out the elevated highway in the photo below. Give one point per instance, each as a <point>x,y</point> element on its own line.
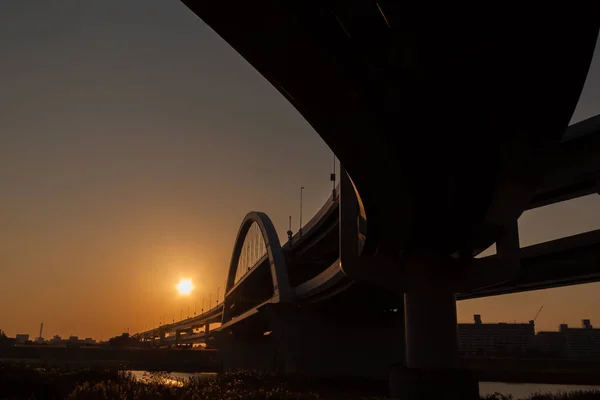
<point>449,124</point>
<point>317,279</point>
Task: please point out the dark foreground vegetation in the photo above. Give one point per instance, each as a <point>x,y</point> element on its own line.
<point>18,381</point>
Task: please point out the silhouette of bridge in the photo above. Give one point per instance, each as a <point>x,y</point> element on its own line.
<point>447,129</point>
<point>312,263</point>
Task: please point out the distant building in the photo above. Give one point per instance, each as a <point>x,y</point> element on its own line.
<point>88,341</point>
<point>74,341</point>
<point>21,338</point>
<point>123,341</point>
<point>581,343</point>
<point>550,344</point>
<point>496,339</point>
<point>57,340</point>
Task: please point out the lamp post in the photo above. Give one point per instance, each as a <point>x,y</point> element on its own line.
<point>218,295</point>
<point>301,192</point>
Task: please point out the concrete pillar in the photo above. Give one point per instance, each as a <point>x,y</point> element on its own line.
<point>177,336</point>
<point>161,334</point>
<point>207,328</point>
<point>247,350</point>
<point>326,344</point>
<point>432,352</point>
<point>431,328</point>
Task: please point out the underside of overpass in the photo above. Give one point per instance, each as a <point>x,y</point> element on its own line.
<point>447,129</point>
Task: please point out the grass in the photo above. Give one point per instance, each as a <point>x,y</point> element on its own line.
<point>30,382</point>
<point>575,395</point>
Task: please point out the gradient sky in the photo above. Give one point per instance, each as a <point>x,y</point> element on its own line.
<point>133,140</point>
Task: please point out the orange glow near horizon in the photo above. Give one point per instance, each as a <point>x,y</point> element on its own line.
<point>127,168</point>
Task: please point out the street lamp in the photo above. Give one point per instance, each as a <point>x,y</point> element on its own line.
<point>301,191</point>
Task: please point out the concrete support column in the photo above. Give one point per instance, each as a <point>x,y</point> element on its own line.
<point>247,350</point>
<point>161,333</point>
<point>431,328</point>
<point>432,352</point>
<point>207,328</point>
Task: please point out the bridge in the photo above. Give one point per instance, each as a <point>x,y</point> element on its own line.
<point>308,268</point>
<point>447,130</point>
<point>313,263</point>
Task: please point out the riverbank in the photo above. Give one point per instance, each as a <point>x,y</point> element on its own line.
<point>548,371</point>
<point>114,358</point>
<point>25,382</point>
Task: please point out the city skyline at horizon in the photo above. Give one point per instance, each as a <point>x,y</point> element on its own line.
<point>463,321</point>
<point>134,140</point>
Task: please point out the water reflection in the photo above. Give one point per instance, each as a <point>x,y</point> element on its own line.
<point>177,379</point>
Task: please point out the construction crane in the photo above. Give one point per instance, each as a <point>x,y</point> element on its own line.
<point>538,313</point>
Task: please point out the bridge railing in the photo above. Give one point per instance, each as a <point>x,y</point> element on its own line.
<point>331,202</point>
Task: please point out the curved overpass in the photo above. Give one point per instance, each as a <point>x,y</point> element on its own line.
<point>454,114</point>
<point>575,173</point>
<point>415,99</point>
<point>316,279</point>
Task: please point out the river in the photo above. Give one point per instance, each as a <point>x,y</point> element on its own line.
<point>517,390</point>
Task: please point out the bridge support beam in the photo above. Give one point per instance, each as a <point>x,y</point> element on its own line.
<point>246,349</point>
<point>325,344</point>
<point>161,334</point>
<point>432,352</point>
<point>431,326</point>
<point>283,338</point>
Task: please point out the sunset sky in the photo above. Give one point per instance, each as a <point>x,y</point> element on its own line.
<point>133,141</point>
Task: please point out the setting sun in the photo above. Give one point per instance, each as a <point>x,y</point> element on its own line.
<point>185,286</point>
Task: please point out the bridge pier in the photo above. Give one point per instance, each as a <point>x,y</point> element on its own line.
<point>431,323</point>
<point>246,349</point>
<point>321,343</point>
<point>287,339</point>
<point>161,334</point>
<point>432,350</point>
